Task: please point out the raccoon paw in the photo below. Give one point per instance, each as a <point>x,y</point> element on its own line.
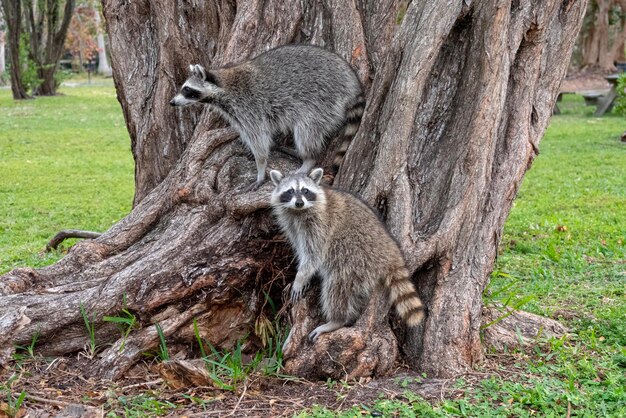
<point>313,335</point>
<point>323,329</point>
<point>297,291</point>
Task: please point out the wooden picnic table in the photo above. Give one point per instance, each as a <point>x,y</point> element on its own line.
<point>606,104</point>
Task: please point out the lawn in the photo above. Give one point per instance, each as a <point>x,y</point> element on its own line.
<point>66,163</point>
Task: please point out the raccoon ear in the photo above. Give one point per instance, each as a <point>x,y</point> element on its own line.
<point>198,71</point>
<point>316,175</point>
<point>276,177</point>
<point>209,77</point>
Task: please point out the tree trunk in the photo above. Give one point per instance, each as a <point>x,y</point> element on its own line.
<point>47,31</point>
<point>617,52</point>
<point>13,17</point>
<point>459,95</point>
<point>103,63</point>
<point>2,52</point>
<point>603,45</point>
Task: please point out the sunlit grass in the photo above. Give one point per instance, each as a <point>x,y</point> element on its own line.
<point>66,163</point>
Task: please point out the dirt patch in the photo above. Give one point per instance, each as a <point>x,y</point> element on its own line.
<point>585,80</point>
<point>59,387</point>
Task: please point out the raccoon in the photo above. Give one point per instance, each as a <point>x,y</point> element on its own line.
<point>339,237</point>
<point>300,89</point>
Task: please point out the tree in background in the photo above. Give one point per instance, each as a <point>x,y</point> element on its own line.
<point>2,46</point>
<point>603,34</point>
<point>47,28</point>
<point>103,62</point>
<point>81,36</point>
<point>12,11</point>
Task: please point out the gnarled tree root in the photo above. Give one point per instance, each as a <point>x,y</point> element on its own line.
<point>366,349</point>
<point>69,233</point>
<point>517,328</point>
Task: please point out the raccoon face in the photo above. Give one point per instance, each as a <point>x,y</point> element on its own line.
<point>297,192</point>
<point>201,86</point>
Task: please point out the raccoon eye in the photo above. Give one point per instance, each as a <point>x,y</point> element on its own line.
<point>185,89</point>
<point>305,191</point>
<point>291,191</point>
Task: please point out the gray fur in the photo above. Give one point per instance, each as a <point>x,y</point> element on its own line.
<point>338,236</point>
<point>306,90</point>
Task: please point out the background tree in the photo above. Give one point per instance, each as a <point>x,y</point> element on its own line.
<point>12,11</point>
<point>603,34</point>
<point>103,62</point>
<point>81,38</point>
<point>459,95</point>
<point>47,22</point>
<point>2,46</point>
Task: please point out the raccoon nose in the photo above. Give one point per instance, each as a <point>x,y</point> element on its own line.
<point>299,203</point>
<point>172,102</point>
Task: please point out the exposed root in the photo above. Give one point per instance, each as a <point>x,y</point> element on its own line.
<point>504,328</point>
<point>366,349</point>
<point>69,233</point>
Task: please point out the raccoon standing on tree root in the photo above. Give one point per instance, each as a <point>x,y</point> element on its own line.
<point>339,237</point>
<point>300,89</point>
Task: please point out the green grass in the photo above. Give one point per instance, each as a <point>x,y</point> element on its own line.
<point>66,163</point>
<point>565,239</point>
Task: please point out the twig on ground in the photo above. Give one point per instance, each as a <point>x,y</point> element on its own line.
<point>39,399</point>
<point>136,385</point>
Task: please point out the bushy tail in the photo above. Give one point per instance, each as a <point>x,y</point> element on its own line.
<point>353,120</point>
<point>404,297</point>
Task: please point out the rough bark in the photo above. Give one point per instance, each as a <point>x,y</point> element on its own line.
<point>47,28</point>
<point>459,95</point>
<point>369,348</point>
<point>13,17</point>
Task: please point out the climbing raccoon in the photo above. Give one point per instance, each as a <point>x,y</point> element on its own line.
<point>339,237</point>
<point>306,90</point>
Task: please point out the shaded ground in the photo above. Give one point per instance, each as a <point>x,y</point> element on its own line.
<point>52,386</point>
<point>584,80</point>
<point>59,388</point>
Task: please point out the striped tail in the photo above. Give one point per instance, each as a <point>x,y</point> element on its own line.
<point>403,295</point>
<point>353,120</point>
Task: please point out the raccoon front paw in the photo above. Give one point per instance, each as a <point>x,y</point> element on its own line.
<point>314,334</point>
<point>297,291</point>
<point>323,329</point>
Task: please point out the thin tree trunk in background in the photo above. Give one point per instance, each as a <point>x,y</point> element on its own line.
<point>459,96</point>
<point>103,63</point>
<point>2,52</point>
<point>617,52</point>
<point>47,29</point>
<point>603,45</point>
<point>13,17</point>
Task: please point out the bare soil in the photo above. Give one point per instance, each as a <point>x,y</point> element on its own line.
<point>585,80</point>
<point>60,388</point>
